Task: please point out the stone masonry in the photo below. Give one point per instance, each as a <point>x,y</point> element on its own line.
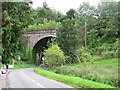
<point>37,40</point>
<point>32,37</point>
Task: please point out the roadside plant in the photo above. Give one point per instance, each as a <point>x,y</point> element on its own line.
<point>54,56</point>
<point>85,55</point>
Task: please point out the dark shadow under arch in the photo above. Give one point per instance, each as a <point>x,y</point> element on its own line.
<point>39,48</point>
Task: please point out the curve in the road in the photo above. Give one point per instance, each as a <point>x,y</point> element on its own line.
<point>26,78</point>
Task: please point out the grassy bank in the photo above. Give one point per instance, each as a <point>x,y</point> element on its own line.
<point>72,81</point>
<point>21,64</point>
<point>102,71</point>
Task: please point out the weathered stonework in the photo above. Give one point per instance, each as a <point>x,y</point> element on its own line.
<point>37,40</point>
<point>32,37</point>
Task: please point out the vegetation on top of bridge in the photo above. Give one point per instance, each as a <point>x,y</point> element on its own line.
<point>46,25</point>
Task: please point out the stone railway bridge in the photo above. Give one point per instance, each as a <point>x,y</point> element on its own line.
<point>37,40</point>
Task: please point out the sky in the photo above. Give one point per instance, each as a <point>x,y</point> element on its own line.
<point>63,5</point>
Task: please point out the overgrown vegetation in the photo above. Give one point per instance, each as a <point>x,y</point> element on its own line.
<point>23,64</point>
<point>28,55</point>
<point>13,16</point>
<point>54,56</point>
<point>67,39</point>
<point>46,25</point>
<point>104,71</point>
<point>72,81</point>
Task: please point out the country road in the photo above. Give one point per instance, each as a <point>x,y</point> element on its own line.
<point>26,78</point>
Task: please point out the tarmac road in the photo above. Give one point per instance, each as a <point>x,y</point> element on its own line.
<point>26,78</point>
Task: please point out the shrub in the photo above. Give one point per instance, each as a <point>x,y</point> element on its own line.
<point>108,50</point>
<point>85,55</point>
<point>54,56</point>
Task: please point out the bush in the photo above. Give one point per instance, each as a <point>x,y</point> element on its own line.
<point>54,56</point>
<point>108,50</point>
<point>85,55</point>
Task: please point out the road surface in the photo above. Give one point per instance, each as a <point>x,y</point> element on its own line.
<point>26,78</point>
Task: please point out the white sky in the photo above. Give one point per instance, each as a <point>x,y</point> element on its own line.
<point>62,5</point>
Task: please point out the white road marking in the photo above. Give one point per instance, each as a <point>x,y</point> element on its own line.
<point>34,81</point>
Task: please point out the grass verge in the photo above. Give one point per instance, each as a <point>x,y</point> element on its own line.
<point>21,65</point>
<point>75,82</point>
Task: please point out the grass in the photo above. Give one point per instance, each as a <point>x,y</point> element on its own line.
<point>102,63</point>
<point>102,71</point>
<point>21,64</point>
<point>1,64</point>
<point>75,82</point>
<point>107,63</point>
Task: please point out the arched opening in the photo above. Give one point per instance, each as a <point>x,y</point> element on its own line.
<point>39,47</point>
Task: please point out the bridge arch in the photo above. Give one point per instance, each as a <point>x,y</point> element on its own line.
<point>37,40</point>
<point>39,47</point>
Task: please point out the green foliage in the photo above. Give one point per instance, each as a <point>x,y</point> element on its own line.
<point>73,81</point>
<point>54,56</point>
<point>108,50</point>
<point>28,55</point>
<point>0,59</point>
<point>67,39</point>
<point>70,13</point>
<point>41,13</point>
<point>94,42</point>
<point>7,38</point>
<point>47,25</point>
<point>104,71</point>
<point>14,14</point>
<point>85,55</point>
<point>1,65</point>
<point>85,13</point>
<point>107,24</point>
<point>22,64</point>
<point>86,9</point>
<point>17,56</point>
<point>102,24</point>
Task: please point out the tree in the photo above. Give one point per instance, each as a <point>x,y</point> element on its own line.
<point>45,12</point>
<point>67,39</point>
<point>85,13</point>
<point>70,13</point>
<point>14,14</point>
<point>107,24</point>
<point>86,9</point>
<point>45,5</point>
